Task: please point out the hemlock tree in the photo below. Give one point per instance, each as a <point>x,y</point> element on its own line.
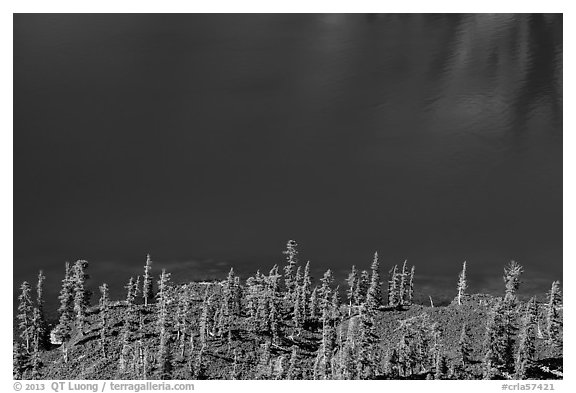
<point>462,284</point>
<point>418,347</point>
<point>298,315</point>
<point>103,303</point>
<point>363,286</point>
<point>393,287</point>
<point>294,371</point>
<point>313,306</point>
<point>464,347</point>
<point>325,291</point>
<point>25,315</point>
<point>237,297</point>
<point>291,261</point>
<point>273,296</point>
<point>181,325</point>
<point>512,274</point>
<point>525,354</point>
<point>441,371</point>
<point>327,304</point>
<point>164,355</point>
<point>38,331</point>
<point>254,297</point>
<point>36,362</point>
<point>227,304</point>
<point>305,289</point>
<point>81,294</point>
<point>411,285</point>
<point>164,359</point>
<point>162,297</point>
<point>18,360</point>
<point>130,291</point>
<point>403,289</point>
<point>499,341</point>
<point>63,330</point>
<point>137,288</point>
<point>374,293</point>
<point>42,327</point>
<point>147,291</point>
<point>347,360</point>
<point>553,318</point>
<point>125,347</point>
<point>203,323</point>
<point>353,282</point>
<point>234,372</point>
<point>366,359</point>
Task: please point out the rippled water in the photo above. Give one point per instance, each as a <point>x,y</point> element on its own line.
<point>210,140</point>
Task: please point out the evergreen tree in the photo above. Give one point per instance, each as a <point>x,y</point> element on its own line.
<point>237,297</point>
<point>289,269</point>
<point>199,367</point>
<point>25,315</point>
<point>273,296</point>
<point>348,357</point>
<point>325,300</point>
<point>464,347</point>
<point>147,290</point>
<point>526,352</point>
<point>254,288</point>
<point>63,330</point>
<point>81,293</point>
<point>363,286</point>
<point>203,323</point>
<point>18,360</point>
<point>234,372</point>
<point>163,290</point>
<point>553,316</point>
<point>403,287</point>
<point>512,280</point>
<point>298,317</point>
<point>264,362</point>
<point>35,360</point>
<point>164,360</point>
<point>125,347</point>
<point>227,304</point>
<point>419,345</point>
<point>313,306</point>
<point>325,291</point>
<point>499,340</point>
<point>393,287</point>
<point>294,371</point>
<point>392,368</point>
<point>411,285</point>
<point>462,285</point>
<point>103,303</point>
<point>441,367</point>
<point>228,289</point>
<point>181,319</point>
<point>130,291</point>
<point>365,359</point>
<point>374,294</point>
<point>137,286</point>
<point>42,325</point>
<point>305,290</point>
<point>335,314</point>
<point>353,282</point>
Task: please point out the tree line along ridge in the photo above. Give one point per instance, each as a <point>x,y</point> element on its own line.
<point>283,325</point>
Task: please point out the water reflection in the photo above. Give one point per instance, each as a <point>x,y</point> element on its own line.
<point>436,138</point>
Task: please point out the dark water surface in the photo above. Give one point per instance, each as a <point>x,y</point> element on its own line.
<point>210,140</point>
